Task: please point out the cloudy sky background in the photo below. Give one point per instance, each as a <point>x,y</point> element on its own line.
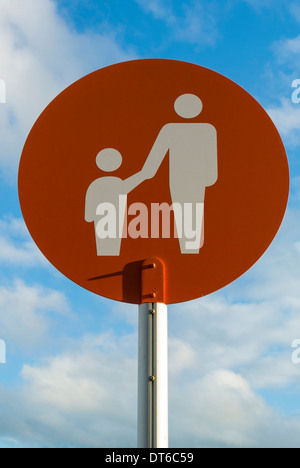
<point>71,374</point>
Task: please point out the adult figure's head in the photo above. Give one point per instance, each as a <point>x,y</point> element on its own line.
<point>109,160</point>
<point>188,106</point>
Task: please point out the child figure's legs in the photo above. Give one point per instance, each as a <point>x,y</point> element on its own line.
<point>108,247</point>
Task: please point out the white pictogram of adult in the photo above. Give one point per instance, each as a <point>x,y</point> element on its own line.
<point>193,163</point>
<point>106,203</point>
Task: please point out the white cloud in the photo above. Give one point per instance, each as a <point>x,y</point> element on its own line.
<point>16,246</point>
<point>25,313</point>
<point>295,11</point>
<point>25,255</point>
<point>182,355</point>
<point>286,117</point>
<point>283,76</point>
<point>195,23</point>
<point>39,56</point>
<point>14,227</point>
<point>160,10</point>
<point>221,410</point>
<point>218,334</point>
<point>85,382</point>
<point>84,397</point>
<point>87,397</point>
<point>288,49</point>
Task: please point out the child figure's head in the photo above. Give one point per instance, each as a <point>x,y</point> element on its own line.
<point>109,160</point>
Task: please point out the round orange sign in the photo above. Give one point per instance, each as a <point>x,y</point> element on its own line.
<point>153,158</point>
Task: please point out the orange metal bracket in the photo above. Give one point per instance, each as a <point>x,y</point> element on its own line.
<point>153,278</point>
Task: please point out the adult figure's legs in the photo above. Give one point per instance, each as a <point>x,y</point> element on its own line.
<point>190,219</point>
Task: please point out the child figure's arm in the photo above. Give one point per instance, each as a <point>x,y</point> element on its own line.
<point>133,181</point>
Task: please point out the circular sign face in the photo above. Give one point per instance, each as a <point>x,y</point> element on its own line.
<point>153,158</point>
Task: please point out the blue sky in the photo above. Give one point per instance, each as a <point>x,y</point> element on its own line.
<point>71,372</point>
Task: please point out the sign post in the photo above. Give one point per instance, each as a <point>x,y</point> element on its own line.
<point>153,182</point>
<point>153,376</point>
<point>153,357</point>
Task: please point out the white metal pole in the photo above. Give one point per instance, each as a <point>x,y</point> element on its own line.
<point>153,376</point>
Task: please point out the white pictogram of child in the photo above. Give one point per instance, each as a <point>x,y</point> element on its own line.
<point>106,203</point>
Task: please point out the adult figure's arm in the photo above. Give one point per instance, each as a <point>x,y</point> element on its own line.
<point>157,154</point>
<point>211,149</point>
